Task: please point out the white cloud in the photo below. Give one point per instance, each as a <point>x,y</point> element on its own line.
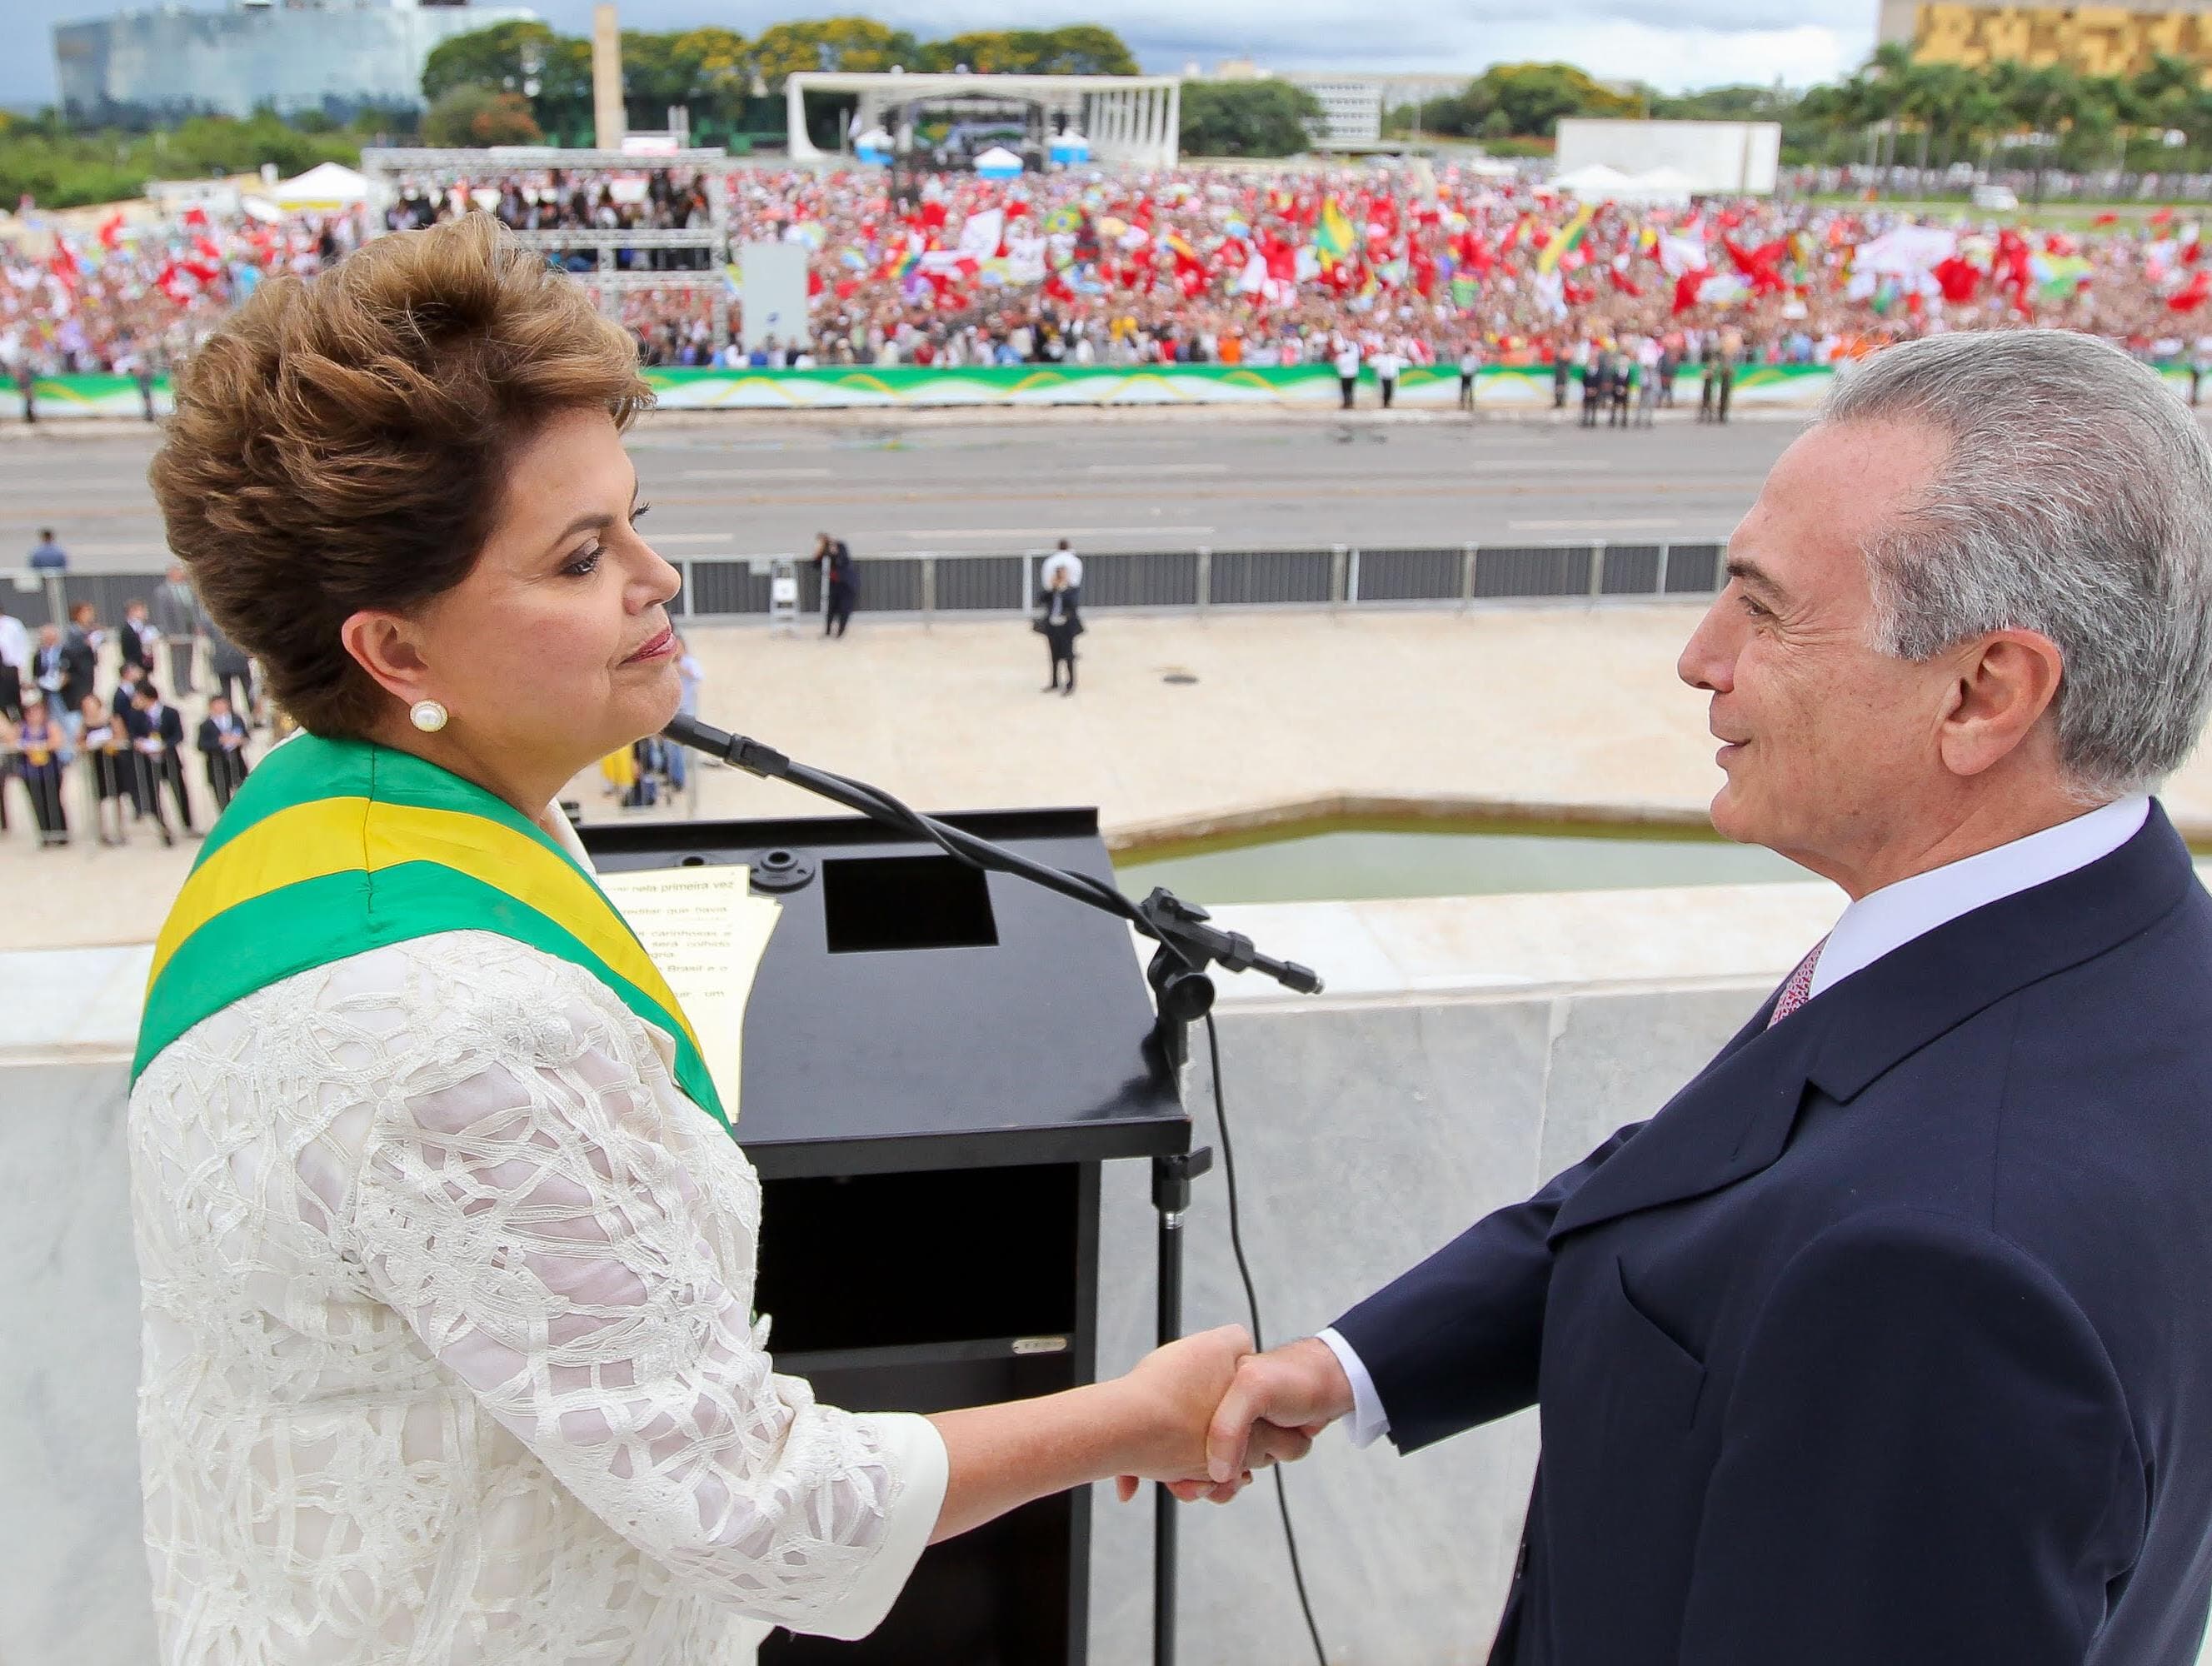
<point>1673,44</point>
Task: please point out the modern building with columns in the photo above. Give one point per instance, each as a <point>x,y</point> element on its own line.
<point>1133,120</point>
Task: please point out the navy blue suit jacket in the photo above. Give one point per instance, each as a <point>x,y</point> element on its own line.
<point>1888,1341</point>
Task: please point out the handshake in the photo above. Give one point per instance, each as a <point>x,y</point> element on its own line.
<point>1205,1413</point>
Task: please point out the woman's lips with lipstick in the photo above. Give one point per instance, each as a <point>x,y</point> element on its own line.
<point>658,649</point>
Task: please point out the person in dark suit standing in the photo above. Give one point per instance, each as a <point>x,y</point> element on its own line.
<point>129,679</point>
<point>177,617</point>
<point>141,759</point>
<point>1887,1340</point>
<point>841,583</point>
<point>232,672</point>
<point>50,672</point>
<point>136,638</point>
<point>223,747</point>
<point>80,657</point>
<point>165,724</point>
<point>1060,619</point>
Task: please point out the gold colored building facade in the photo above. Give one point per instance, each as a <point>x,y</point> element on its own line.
<point>2098,41</point>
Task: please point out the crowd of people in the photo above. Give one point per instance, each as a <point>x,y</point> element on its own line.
<point>1258,266</point>
<point>92,741</point>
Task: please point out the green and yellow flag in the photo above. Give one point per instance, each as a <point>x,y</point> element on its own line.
<point>333,848</point>
<point>1568,237</point>
<point>1332,234</point>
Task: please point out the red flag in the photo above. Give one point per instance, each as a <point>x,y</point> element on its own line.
<point>2192,294</point>
<point>111,230</point>
<point>2108,218</point>
<point>196,216</point>
<point>1685,289</point>
<point>1760,266</point>
<point>2163,217</point>
<point>175,283</point>
<point>1960,278</point>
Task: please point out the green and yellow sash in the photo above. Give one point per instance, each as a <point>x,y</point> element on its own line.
<point>331,847</point>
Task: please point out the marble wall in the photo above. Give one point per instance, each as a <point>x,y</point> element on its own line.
<point>1367,1134</point>
<point>72,1584</point>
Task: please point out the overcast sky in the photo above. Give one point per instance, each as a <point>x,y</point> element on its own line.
<point>1673,44</point>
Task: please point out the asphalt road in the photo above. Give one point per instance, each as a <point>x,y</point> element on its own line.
<point>743,484</point>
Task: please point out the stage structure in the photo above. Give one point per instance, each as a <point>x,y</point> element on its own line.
<point>394,171</point>
<point>1128,120</point>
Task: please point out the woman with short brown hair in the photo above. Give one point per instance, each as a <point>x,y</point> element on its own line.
<point>447,1251</point>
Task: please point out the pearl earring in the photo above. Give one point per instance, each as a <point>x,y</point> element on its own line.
<point>427,715</point>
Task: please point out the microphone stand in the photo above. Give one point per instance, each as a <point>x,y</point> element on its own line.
<point>1183,992</point>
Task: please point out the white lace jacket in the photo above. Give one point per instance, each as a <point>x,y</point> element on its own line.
<point>448,1348</point>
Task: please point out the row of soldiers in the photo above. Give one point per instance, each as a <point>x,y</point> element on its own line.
<point>1624,385</point>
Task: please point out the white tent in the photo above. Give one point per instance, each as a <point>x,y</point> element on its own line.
<point>1597,180</point>
<point>1658,184</point>
<point>874,146</point>
<point>1070,147</point>
<point>327,185</point>
<point>998,163</point>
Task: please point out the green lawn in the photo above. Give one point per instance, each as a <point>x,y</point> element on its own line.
<point>2056,216</point>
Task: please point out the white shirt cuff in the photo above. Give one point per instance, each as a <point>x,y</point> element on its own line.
<point>917,1457</point>
<point>1369,1422</point>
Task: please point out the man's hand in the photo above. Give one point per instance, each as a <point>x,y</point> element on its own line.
<point>1174,1392</point>
<point>1292,1392</point>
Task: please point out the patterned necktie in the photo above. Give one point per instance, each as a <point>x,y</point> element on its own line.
<point>1799,989</point>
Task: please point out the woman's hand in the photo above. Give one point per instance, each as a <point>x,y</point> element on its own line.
<point>1173,1393</point>
<point>1148,1425</point>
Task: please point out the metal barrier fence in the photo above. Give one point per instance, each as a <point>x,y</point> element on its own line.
<point>924,584</point>
<point>1320,576</point>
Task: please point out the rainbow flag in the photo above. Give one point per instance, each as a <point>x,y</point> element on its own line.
<point>1332,234</point>
<point>1567,238</point>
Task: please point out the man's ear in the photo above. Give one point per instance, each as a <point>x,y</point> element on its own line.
<point>2005,683</point>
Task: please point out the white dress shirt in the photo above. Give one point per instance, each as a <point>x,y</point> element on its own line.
<point>1869,928</point>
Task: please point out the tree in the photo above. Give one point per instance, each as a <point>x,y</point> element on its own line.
<point>857,44</point>
<point>1079,49</point>
<point>1247,118</point>
<point>1534,96</point>
<point>553,72</point>
<point>473,116</point>
<point>1519,100</point>
<point>502,57</point>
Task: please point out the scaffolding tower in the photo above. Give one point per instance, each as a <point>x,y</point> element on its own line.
<point>401,169</point>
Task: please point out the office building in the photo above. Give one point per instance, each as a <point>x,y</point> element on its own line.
<point>339,57</point>
<point>2097,40</point>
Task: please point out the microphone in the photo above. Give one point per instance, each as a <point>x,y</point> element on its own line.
<point>1188,944</point>
<point>747,755</point>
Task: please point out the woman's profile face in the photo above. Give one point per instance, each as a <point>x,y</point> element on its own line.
<point>557,649</point>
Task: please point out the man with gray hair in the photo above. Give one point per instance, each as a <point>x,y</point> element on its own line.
<point>1888,1341</point>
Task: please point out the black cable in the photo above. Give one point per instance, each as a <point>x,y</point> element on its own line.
<point>1252,1301</point>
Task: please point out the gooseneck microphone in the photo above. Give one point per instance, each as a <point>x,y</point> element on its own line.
<point>1180,929</point>
<point>1182,995</point>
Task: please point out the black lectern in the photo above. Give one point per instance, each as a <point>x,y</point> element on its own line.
<point>936,1062</point>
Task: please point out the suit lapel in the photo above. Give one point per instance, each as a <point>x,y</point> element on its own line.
<point>1736,1118</point>
<point>1730,1122</point>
